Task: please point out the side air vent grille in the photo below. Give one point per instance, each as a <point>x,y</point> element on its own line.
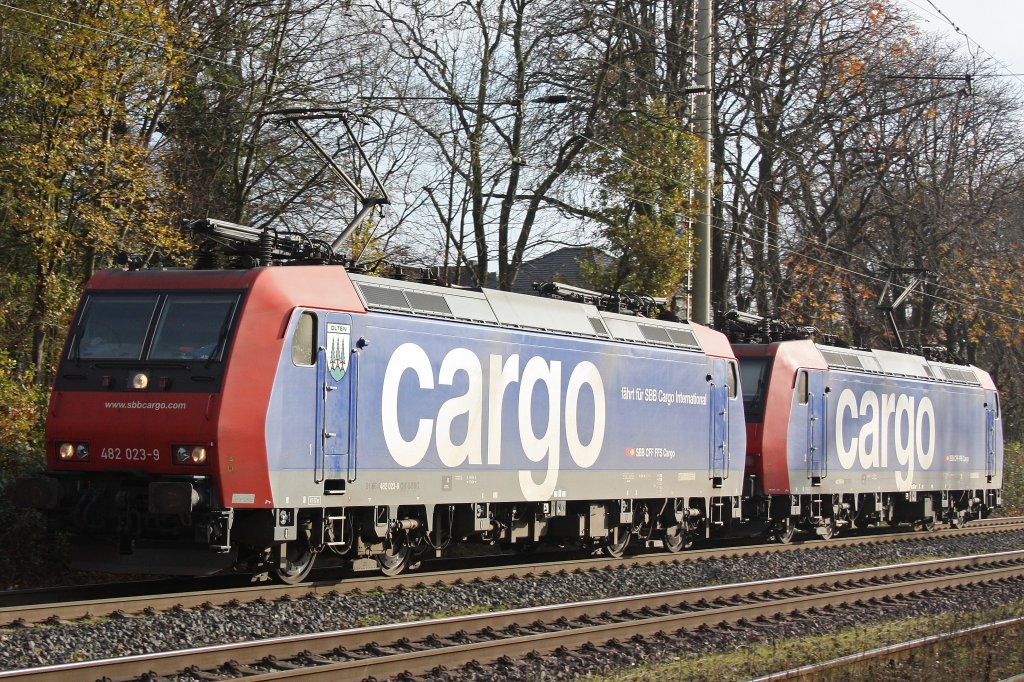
<point>962,375</point>
<point>428,303</point>
<point>833,359</point>
<point>655,334</point>
<point>683,337</point>
<point>384,297</point>
<point>598,326</point>
<point>847,360</point>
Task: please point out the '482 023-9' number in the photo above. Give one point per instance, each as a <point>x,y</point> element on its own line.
<point>130,454</point>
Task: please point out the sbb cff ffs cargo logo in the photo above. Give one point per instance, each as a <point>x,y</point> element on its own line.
<point>535,373</point>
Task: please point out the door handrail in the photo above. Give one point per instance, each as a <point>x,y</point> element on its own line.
<point>353,411</point>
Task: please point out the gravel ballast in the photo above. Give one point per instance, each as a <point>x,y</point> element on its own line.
<point>180,628</point>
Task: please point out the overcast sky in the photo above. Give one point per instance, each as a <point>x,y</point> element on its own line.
<point>996,25</point>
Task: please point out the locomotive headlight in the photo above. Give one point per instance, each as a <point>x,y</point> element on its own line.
<point>189,455</point>
<point>73,451</point>
<point>140,380</point>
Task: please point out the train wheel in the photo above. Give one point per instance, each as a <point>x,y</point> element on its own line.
<point>676,539</point>
<point>927,524</point>
<point>395,559</point>
<point>785,532</point>
<point>616,545</point>
<point>300,563</point>
<point>827,530</point>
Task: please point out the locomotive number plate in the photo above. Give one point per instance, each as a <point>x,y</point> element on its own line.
<point>130,454</point>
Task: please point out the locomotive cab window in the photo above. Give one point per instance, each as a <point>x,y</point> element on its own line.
<point>175,326</point>
<point>732,380</point>
<point>754,372</point>
<point>802,392</point>
<point>193,327</point>
<point>304,341</point>
<point>114,327</point>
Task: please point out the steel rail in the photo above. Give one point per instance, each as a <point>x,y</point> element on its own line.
<point>687,608</point>
<point>27,614</point>
<point>812,669</point>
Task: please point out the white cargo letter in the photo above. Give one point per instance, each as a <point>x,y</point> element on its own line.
<point>904,445</point>
<point>499,377</point>
<point>585,374</point>
<point>408,356</point>
<point>869,432</point>
<point>536,448</point>
<point>847,403</point>
<point>469,404</point>
<point>925,409</point>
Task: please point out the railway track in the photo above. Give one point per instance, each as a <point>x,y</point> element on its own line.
<point>838,666</point>
<point>57,605</point>
<point>418,647</point>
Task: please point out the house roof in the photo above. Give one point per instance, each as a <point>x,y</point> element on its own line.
<point>560,265</point>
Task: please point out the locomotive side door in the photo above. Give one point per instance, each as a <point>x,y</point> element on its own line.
<point>723,385</point>
<point>991,415</point>
<point>335,371</point>
<point>811,387</point>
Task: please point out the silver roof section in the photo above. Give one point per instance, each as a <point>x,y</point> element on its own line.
<point>897,364</point>
<point>541,313</point>
<point>518,311</point>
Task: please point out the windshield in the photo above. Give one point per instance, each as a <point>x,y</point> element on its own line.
<point>754,377</point>
<point>192,326</point>
<point>174,326</point>
<point>115,326</point>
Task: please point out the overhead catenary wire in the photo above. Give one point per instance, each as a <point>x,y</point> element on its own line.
<point>969,39</point>
<point>826,247</point>
<point>745,235</point>
<point>820,261</point>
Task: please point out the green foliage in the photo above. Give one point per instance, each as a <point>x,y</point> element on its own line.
<point>82,173</point>
<point>27,551</point>
<point>1013,479</point>
<point>648,170</point>
<point>22,406</point>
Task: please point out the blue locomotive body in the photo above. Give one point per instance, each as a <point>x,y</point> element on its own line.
<point>844,438</point>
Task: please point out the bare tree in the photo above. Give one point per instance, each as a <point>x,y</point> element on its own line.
<point>508,93</point>
<point>247,57</point>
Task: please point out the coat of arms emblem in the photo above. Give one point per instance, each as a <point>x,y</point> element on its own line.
<point>338,348</point>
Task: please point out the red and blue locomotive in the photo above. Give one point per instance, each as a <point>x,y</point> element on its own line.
<point>842,438</point>
<point>257,417</point>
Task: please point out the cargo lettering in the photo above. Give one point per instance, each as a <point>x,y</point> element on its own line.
<point>865,430</point>
<point>538,374</point>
